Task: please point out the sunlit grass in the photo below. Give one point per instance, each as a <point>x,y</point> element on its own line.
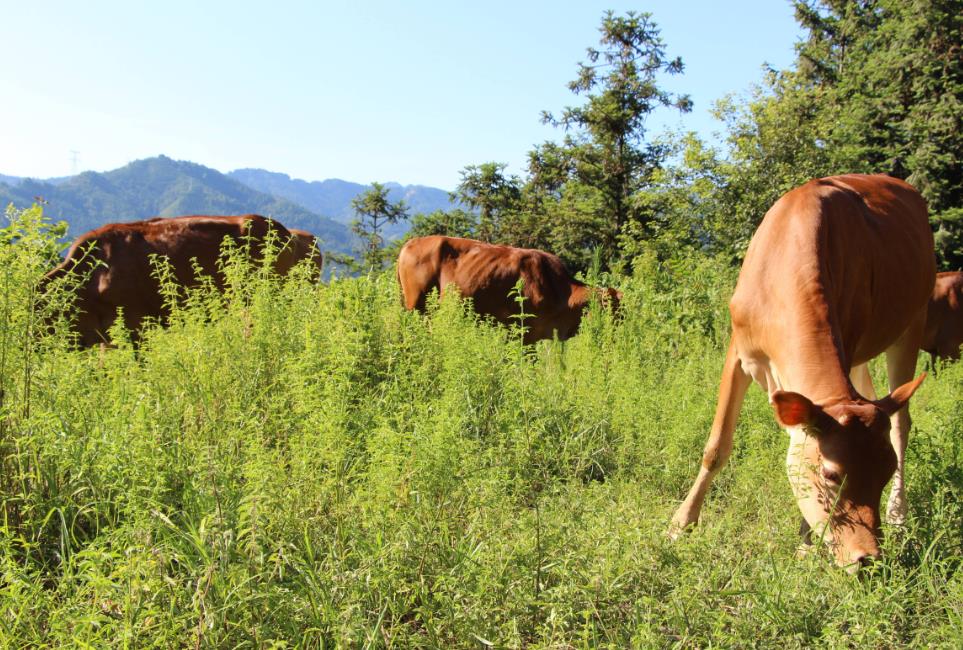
<point>314,466</point>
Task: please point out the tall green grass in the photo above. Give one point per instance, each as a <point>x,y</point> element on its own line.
<point>291,465</point>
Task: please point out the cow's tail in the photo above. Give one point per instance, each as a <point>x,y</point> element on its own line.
<point>57,272</point>
<point>400,263</point>
<point>42,297</point>
<point>401,288</point>
<point>79,259</point>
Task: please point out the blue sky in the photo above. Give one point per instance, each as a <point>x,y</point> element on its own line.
<point>364,91</point>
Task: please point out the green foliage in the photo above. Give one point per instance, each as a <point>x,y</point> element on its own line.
<point>892,94</point>
<point>578,196</point>
<point>606,148</point>
<point>877,88</point>
<point>682,202</point>
<point>451,223</point>
<point>375,211</point>
<point>773,146</point>
<point>290,464</point>
<point>485,188</point>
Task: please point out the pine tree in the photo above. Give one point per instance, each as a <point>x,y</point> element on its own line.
<point>375,211</point>
<point>606,148</point>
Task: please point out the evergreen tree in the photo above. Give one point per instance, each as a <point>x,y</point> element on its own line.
<point>605,148</point>
<point>892,71</point>
<point>494,195</point>
<point>877,88</point>
<point>375,211</point>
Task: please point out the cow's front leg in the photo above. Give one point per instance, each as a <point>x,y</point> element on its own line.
<point>732,389</point>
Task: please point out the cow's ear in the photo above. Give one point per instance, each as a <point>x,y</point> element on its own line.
<point>793,409</point>
<point>899,397</point>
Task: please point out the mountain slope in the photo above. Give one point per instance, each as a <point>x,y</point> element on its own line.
<point>332,197</point>
<point>164,187</point>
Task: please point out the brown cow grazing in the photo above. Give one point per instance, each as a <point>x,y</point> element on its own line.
<point>839,271</point>
<point>943,336</point>
<point>117,257</point>
<point>306,248</point>
<point>487,273</point>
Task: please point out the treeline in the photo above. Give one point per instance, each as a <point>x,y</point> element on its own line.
<point>877,87</point>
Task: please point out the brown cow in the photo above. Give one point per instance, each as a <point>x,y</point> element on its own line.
<point>487,273</point>
<point>839,271</point>
<point>117,256</point>
<point>944,320</point>
<point>306,248</point>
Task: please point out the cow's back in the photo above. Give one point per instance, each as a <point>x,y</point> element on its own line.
<point>847,258</point>
<point>944,319</point>
<point>118,259</point>
<point>488,274</point>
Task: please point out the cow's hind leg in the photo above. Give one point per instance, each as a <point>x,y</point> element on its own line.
<point>900,368</point>
<point>735,381</point>
<point>862,381</point>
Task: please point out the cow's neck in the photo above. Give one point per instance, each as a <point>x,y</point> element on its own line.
<point>821,377</point>
<point>789,304</point>
<point>580,296</point>
<point>814,363</point>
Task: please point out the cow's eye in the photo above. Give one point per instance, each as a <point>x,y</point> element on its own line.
<point>831,476</point>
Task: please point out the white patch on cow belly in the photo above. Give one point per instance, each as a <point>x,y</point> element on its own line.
<point>764,373</point>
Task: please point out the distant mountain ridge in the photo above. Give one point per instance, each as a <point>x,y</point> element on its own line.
<point>332,197</point>
<point>163,187</point>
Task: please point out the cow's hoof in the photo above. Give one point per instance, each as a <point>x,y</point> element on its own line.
<point>896,513</point>
<point>896,518</point>
<point>679,528</point>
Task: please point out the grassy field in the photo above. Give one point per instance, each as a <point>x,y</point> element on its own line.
<point>310,466</point>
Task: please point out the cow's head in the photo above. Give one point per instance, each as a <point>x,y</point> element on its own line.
<point>612,299</point>
<point>840,459</point>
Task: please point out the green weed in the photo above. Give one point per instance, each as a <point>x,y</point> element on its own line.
<point>298,465</point>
